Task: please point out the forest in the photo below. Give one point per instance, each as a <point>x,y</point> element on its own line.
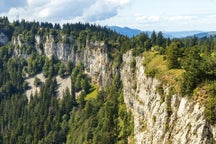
<point>104,118</point>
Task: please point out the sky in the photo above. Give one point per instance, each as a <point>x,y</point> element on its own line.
<point>158,15</point>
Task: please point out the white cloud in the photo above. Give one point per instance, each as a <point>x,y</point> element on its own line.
<point>54,10</point>
<point>149,19</point>
<point>103,9</point>
<point>196,21</point>
<point>180,18</point>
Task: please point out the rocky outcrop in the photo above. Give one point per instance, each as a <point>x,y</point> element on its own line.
<point>160,119</point>
<point>59,50</point>
<point>18,46</point>
<point>93,56</point>
<point>3,39</point>
<point>63,83</point>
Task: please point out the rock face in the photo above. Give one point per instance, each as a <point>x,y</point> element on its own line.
<point>153,123</point>
<point>3,39</point>
<point>18,46</point>
<point>158,119</point>
<point>93,56</point>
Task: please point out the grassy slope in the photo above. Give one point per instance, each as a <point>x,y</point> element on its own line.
<point>156,66</point>
<point>94,91</point>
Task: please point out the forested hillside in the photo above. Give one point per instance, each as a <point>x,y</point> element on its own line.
<point>92,109</point>
<point>94,116</point>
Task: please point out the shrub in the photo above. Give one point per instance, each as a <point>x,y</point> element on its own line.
<point>160,90</point>
<point>37,82</point>
<point>133,65</point>
<point>154,118</point>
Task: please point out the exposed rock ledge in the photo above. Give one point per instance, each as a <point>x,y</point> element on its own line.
<point>186,124</point>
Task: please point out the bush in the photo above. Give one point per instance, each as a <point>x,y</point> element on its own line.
<point>160,90</point>
<point>151,73</point>
<point>210,103</point>
<point>210,109</point>
<point>154,118</point>
<point>133,65</point>
<point>37,82</point>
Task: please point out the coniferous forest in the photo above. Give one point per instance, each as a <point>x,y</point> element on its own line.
<point>104,118</point>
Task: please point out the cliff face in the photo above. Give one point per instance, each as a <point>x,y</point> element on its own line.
<point>94,57</point>
<point>159,119</point>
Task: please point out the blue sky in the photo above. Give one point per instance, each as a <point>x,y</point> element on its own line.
<point>163,15</point>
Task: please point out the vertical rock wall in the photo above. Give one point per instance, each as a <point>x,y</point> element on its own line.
<point>153,123</point>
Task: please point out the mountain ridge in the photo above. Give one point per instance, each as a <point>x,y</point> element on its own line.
<point>130,32</point>
<point>138,91</point>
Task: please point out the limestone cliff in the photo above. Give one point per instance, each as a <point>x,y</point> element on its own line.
<point>93,56</point>
<point>157,119</point>
<point>153,123</point>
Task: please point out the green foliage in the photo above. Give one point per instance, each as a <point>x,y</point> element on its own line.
<point>133,65</point>
<point>93,92</point>
<point>94,116</point>
<point>210,103</point>
<point>173,55</point>
<point>62,70</point>
<point>6,52</point>
<point>6,28</point>
<point>138,51</point>
<point>81,99</point>
<point>35,64</point>
<point>50,67</point>
<point>153,38</point>
<point>85,85</point>
<point>168,103</point>
<point>190,76</point>
<point>160,39</point>
<point>154,118</point>
<point>148,44</point>
<point>155,65</point>
<point>101,120</point>
<point>194,73</point>
<point>37,82</point>
<point>160,90</point>
<point>152,73</point>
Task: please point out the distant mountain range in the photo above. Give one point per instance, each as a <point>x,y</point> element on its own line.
<point>181,34</point>
<point>126,31</point>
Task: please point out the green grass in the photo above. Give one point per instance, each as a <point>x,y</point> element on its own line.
<point>156,66</point>
<point>93,92</point>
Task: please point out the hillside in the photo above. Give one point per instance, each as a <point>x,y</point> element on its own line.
<point>97,86</point>
<point>126,31</point>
